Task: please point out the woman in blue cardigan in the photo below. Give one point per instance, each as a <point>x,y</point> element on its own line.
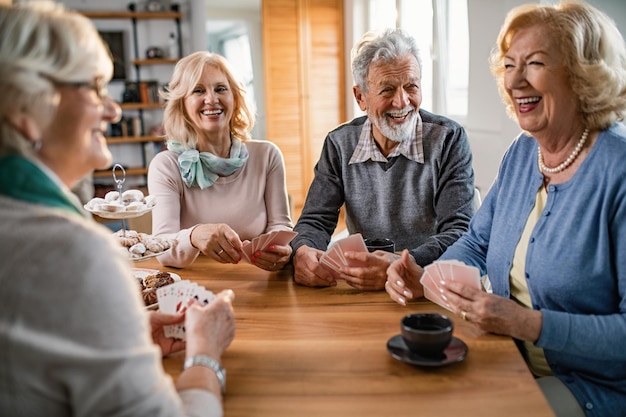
<point>551,233</point>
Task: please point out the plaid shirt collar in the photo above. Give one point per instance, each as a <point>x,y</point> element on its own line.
<point>366,147</point>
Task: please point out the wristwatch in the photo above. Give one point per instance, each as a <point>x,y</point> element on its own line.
<point>209,362</point>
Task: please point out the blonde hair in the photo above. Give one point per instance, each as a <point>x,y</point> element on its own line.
<point>594,53</point>
<point>187,73</point>
<point>41,42</point>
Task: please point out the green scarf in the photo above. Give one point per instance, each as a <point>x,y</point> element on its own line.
<point>23,180</point>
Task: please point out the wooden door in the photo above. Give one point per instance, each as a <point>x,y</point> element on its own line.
<point>304,81</point>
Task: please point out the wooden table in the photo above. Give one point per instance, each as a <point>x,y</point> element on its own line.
<point>303,352</point>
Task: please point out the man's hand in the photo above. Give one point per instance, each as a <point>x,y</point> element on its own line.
<point>307,269</point>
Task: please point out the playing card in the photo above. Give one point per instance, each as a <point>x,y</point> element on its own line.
<point>264,239</point>
<point>247,251</point>
<point>436,298</point>
<point>166,297</point>
<point>331,261</point>
<point>465,274</point>
<point>173,297</point>
<point>256,243</point>
<point>352,243</point>
<point>458,271</point>
<point>280,238</point>
<point>337,254</point>
<point>262,242</point>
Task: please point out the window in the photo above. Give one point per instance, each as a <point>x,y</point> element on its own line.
<point>440,28</point>
<point>237,51</point>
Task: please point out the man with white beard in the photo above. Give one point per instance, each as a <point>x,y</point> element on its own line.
<point>402,173</point>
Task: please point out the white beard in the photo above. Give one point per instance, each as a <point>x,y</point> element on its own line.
<point>394,132</point>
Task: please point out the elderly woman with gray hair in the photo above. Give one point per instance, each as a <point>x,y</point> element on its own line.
<point>74,334</point>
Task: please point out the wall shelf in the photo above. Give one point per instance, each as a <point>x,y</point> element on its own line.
<point>135,139</point>
<point>129,172</point>
<point>132,15</point>
<point>140,136</point>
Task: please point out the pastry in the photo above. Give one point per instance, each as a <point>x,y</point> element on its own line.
<point>149,296</point>
<point>111,207</point>
<point>130,196</point>
<point>135,206</point>
<point>138,249</point>
<point>95,203</point>
<point>127,238</point>
<point>150,201</point>
<point>112,196</point>
<point>158,280</point>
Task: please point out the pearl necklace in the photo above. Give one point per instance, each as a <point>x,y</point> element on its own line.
<point>569,159</point>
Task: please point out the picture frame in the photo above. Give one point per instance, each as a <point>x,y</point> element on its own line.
<point>115,42</point>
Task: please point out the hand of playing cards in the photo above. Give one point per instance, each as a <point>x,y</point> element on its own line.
<point>451,270</point>
<point>264,241</point>
<point>334,259</point>
<point>172,297</point>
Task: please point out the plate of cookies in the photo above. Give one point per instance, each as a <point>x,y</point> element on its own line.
<point>116,205</point>
<point>142,246</point>
<point>151,279</point>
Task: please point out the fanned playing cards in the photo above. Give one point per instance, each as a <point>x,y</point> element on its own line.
<point>173,297</point>
<point>264,241</point>
<point>334,257</point>
<point>442,271</point>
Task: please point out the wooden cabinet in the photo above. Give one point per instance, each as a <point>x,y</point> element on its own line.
<point>136,107</point>
<point>304,81</point>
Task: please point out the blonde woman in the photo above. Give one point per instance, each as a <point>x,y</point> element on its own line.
<point>215,186</point>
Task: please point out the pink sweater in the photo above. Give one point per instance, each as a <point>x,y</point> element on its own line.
<point>252,201</point>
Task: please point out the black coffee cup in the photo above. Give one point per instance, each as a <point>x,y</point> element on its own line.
<point>427,334</point>
<point>386,245</point>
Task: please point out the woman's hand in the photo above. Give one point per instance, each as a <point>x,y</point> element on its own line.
<point>403,279</point>
<point>217,241</point>
<point>493,313</point>
<point>210,328</point>
<point>273,258</point>
<point>157,321</point>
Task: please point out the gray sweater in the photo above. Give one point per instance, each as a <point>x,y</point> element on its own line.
<point>74,335</point>
<point>422,207</point>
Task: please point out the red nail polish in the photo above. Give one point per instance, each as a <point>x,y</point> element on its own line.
<point>257,253</point>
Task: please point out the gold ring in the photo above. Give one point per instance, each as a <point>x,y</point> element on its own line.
<point>220,252</point>
<point>464,315</point>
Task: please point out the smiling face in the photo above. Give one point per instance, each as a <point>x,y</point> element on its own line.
<point>74,144</point>
<point>211,104</point>
<point>393,98</point>
<point>536,80</point>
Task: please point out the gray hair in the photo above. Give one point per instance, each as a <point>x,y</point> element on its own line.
<point>41,42</point>
<point>388,46</point>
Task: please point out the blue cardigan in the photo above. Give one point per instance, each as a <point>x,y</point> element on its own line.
<point>575,264</point>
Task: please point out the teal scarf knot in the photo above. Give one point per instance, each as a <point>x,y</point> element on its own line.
<point>202,169</point>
